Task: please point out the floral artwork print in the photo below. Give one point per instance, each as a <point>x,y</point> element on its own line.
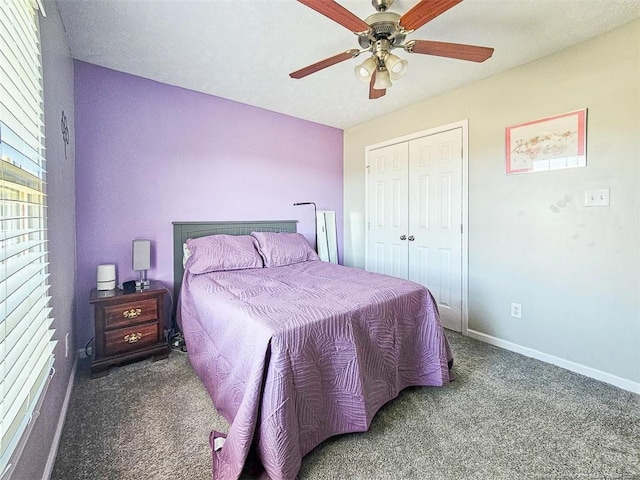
<point>547,144</point>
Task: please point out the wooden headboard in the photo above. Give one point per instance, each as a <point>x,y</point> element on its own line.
<point>184,230</point>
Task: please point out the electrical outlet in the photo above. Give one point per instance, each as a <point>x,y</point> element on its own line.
<point>66,345</point>
<point>516,310</point>
<point>596,198</point>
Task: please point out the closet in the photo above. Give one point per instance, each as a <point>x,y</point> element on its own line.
<point>414,215</point>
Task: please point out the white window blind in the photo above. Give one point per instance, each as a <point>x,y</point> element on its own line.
<point>26,345</point>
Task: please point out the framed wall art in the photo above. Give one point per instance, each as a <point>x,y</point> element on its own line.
<point>550,143</point>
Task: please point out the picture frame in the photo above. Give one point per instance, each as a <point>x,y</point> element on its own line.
<point>550,143</point>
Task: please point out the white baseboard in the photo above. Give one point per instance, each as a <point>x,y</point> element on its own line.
<point>48,469</point>
<point>620,382</point>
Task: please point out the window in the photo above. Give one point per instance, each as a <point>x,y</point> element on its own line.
<point>26,346</point>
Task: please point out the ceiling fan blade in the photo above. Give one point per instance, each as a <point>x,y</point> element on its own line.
<point>460,51</point>
<point>337,13</point>
<point>373,93</point>
<point>425,11</point>
<point>327,62</point>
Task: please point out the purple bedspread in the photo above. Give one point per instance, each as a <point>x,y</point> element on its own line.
<point>293,355</point>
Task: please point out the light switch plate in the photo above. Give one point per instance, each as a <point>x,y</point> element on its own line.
<point>596,198</point>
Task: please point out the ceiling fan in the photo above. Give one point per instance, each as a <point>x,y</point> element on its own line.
<point>383,31</point>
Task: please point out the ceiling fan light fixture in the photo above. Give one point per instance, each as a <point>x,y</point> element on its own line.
<point>365,69</point>
<point>383,80</point>
<point>383,31</point>
<point>396,66</point>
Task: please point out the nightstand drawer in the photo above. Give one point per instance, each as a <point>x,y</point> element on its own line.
<point>130,312</point>
<point>130,338</point>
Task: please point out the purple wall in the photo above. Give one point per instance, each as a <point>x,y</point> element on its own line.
<point>149,154</point>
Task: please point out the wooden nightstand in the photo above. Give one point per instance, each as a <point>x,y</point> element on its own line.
<point>128,327</point>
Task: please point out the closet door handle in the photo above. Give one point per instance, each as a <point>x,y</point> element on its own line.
<point>403,237</point>
<point>411,238</point>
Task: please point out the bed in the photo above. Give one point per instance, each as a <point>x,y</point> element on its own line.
<point>297,350</point>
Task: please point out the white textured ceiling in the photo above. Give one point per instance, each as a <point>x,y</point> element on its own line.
<point>243,50</point>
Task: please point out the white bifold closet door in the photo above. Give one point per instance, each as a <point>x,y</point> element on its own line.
<point>388,211</point>
<point>415,216</point>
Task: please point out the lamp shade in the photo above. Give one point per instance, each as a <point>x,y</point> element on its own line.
<point>383,80</point>
<point>396,66</point>
<point>365,69</point>
<point>141,254</point>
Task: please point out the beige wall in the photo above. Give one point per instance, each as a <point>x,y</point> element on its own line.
<point>575,269</point>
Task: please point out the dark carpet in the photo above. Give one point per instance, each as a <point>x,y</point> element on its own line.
<point>505,416</point>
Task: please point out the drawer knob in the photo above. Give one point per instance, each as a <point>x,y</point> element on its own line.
<point>133,313</point>
<point>132,337</point>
